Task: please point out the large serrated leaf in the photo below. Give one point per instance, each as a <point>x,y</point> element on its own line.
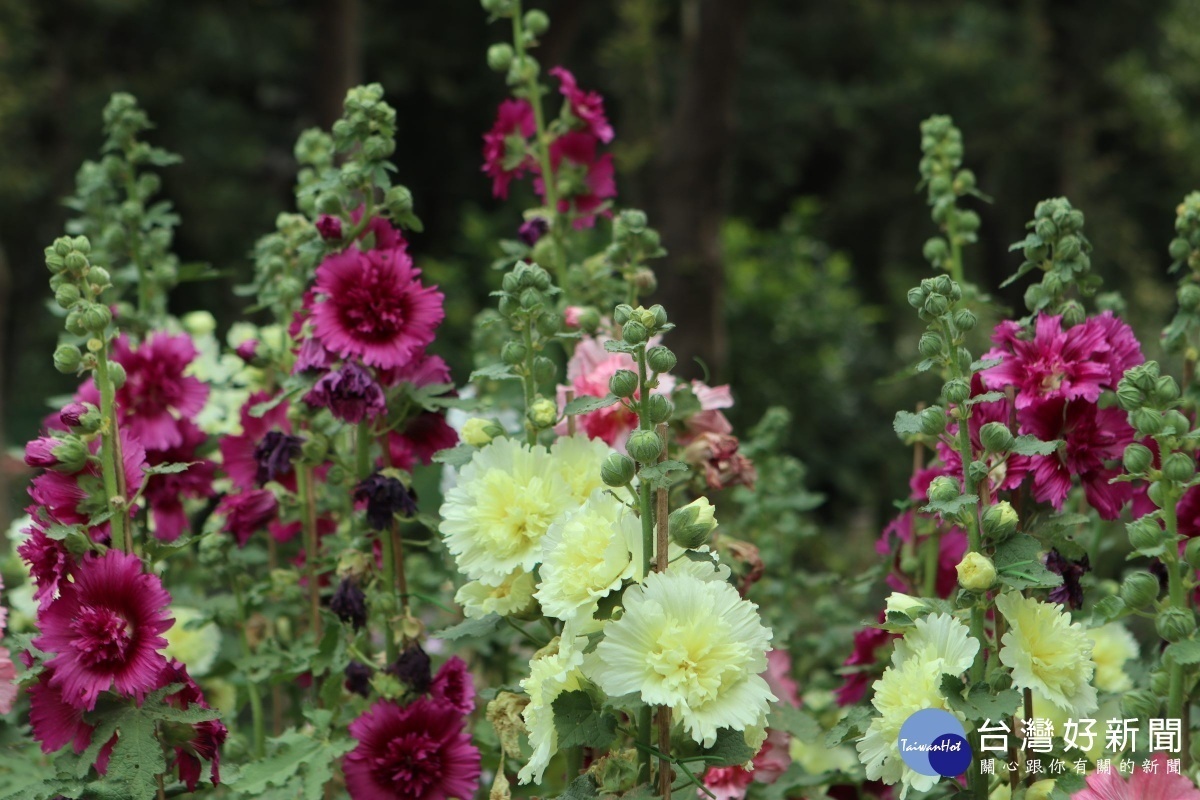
<point>906,423</point>
<point>480,626</point>
<point>661,475</point>
<point>981,702</point>
<point>1027,445</point>
<point>586,405</point>
<point>582,788</point>
<point>580,724</point>
<point>493,372</point>
<point>729,749</point>
<point>951,508</point>
<point>1019,564</point>
<point>457,456</point>
<point>1186,652</point>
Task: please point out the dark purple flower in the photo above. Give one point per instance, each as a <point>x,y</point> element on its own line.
<point>349,603</point>
<point>312,355</point>
<point>350,393</point>
<point>247,513</point>
<point>413,669</point>
<point>358,678</point>
<point>1070,592</point>
<point>274,455</point>
<point>329,226</point>
<point>384,497</point>
<point>531,230</point>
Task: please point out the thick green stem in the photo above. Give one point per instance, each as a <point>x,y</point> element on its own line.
<point>529,382</point>
<point>645,715</point>
<point>111,468</point>
<point>256,705</point>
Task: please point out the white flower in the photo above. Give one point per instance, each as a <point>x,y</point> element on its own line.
<point>551,673</point>
<point>938,636</point>
<point>510,595</point>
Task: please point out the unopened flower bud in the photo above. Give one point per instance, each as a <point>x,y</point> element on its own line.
<point>660,408</point>
<point>1175,624</point>
<point>930,344</point>
<point>660,359</point>
<point>965,319</point>
<point>659,315</point>
<point>1139,590</point>
<point>1129,397</point>
<point>74,322</point>
<point>76,262</point>
<point>996,437</point>
<point>692,525</point>
<point>645,446</point>
<point>1137,459</point>
<point>589,319</point>
<point>1139,704</point>
<point>96,317</point>
<point>617,470</point>
<point>933,420</point>
<point>513,353</point>
<point>329,227</point>
<point>976,572</point>
<point>1147,421</point>
<point>66,295</point>
<point>956,391</point>
<point>622,313</point>
<point>901,603</point>
<point>1166,390</point>
<point>544,370</point>
<point>549,323</point>
<point>500,57</point>
<point>543,412</point>
<point>936,305</point>
<point>479,432</point>
<point>1191,553</point>
<point>978,470</point>
<point>633,332</point>
<point>623,383</point>
<point>536,21</point>
<point>313,450</point>
<point>530,299</point>
<point>1175,422</point>
<point>999,521</point>
<point>1144,534</point>
<point>82,416</point>
<point>1073,314</point>
<point>645,280</point>
<point>1000,680</point>
<point>943,489</point>
<point>116,372</point>
<point>1179,467</point>
<point>67,358</point>
<point>247,350</point>
<point>936,250</point>
<point>916,296</point>
<point>1179,250</point>
<point>1189,296</point>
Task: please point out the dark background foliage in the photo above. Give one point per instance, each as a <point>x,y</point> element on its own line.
<point>773,142</point>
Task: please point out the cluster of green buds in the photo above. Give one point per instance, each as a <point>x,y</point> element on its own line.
<point>527,301</point>
<point>1185,250</point>
<point>282,260</point>
<point>943,343</point>
<point>120,216</point>
<point>77,286</point>
<point>1056,245</point>
<point>945,181</point>
<point>528,28</point>
<point>633,244</point>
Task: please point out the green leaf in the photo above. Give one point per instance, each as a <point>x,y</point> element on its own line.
<point>906,423</point>
<point>850,728</point>
<point>1021,271</point>
<point>480,626</point>
<point>986,397</point>
<point>1185,652</point>
<point>1027,445</point>
<point>659,475</point>
<point>951,508</point>
<point>493,372</point>
<point>729,749</point>
<point>291,751</point>
<point>981,702</point>
<point>457,456</point>
<point>985,363</point>
<point>169,469</point>
<point>798,723</point>
<point>580,724</point>
<point>136,758</point>
<point>582,788</point>
<point>1019,564</point>
<point>614,346</point>
<point>586,405</point>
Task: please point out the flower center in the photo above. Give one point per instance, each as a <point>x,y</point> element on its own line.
<point>372,309</point>
<point>410,763</point>
<point>103,637</point>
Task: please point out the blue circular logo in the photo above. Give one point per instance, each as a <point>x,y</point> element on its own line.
<point>933,742</point>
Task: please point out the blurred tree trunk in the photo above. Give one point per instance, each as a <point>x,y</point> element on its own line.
<point>337,28</point>
<point>5,299</point>
<point>691,175</point>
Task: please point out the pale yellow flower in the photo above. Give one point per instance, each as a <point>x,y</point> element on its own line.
<point>1048,654</point>
<point>511,595</point>
<point>196,647</point>
<point>1112,646</point>
<point>552,672</point>
<point>577,461</point>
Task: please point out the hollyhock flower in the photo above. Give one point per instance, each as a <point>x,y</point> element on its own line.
<point>1070,591</point>
<point>574,161</point>
<point>726,783</point>
<point>424,435</point>
<point>416,752</point>
<point>105,630</point>
<point>73,414</point>
<point>588,107</point>
<point>39,453</point>
<point>552,672</point>
<point>1052,365</point>
<point>372,305</point>
<point>208,736</point>
<point>453,685</point>
<point>349,604</point>
<point>779,677</point>
<point>165,493</point>
<point>1124,351</point>
<point>75,499</point>
<point>275,454</point>
<point>952,544</point>
<point>690,644</point>
<point>329,226</point>
<point>709,418</point>
<point>56,723</point>
<point>1006,471</point>
<point>49,564</point>
<point>532,230</point>
<point>358,678</point>
<point>421,370</point>
<point>1145,784</point>
<point>247,350</point>
<point>413,668</point>
<point>723,465</point>
<point>312,356</point>
<point>866,642</point>
<point>511,594</point>
<point>246,513</point>
<point>1094,436</point>
<point>350,394</point>
<point>505,153</point>
<point>1112,646</point>
<point>246,458</point>
<point>385,497</point>
<point>1048,653</point>
<point>8,681</point>
<point>588,373</point>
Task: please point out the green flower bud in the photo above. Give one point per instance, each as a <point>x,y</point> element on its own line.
<point>999,521</point>
<point>509,283</point>
<point>544,370</point>
<point>623,383</point>
<point>335,476</point>
<point>536,22</point>
<point>633,332</point>
<point>74,323</point>
<point>1175,422</point>
<point>117,373</point>
<point>916,296</point>
<point>314,450</point>
<point>1189,297</point>
<point>479,432</point>
<point>66,295</point>
<point>657,316</point>
<point>956,391</point>
<point>1179,467</point>
<point>96,318</point>
<point>1179,249</point>
<point>1175,624</point>
<point>72,455</point>
<point>589,319</point>
<point>645,280</point>
<point>617,470</point>
<point>1139,704</point>
<point>1073,314</point>
<point>513,353</point>
<point>930,344</point>
<point>978,471</point>
<point>499,57</point>
<point>965,319</point>
<point>1137,459</point>
<point>399,199</point>
<point>1129,397</point>
<point>67,358</point>
<point>996,437</point>
<point>936,250</point>
<point>1191,553</point>
<point>660,359</point>
<point>976,572</point>
<point>936,305</point>
<point>1159,493</point>
<point>1067,248</point>
<point>543,412</point>
<point>530,299</point>
<point>1147,421</point>
<point>933,420</point>
<point>1139,590</point>
<point>943,489</point>
<point>965,598</point>
<point>692,525</point>
<point>1166,389</point>
<point>622,313</point>
<point>76,262</point>
<point>1045,229</point>
<point>1000,680</point>
<point>549,323</point>
<point>1160,682</point>
<point>63,246</point>
<point>1144,534</point>
<point>645,446</point>
<point>660,409</point>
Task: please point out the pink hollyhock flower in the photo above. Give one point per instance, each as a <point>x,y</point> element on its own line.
<point>1094,436</point>
<point>416,752</point>
<point>571,314</point>
<point>386,236</point>
<point>952,546</point>
<point>350,394</point>
<point>1142,785</point>
<point>421,370</point>
<point>709,418</point>
<point>726,783</point>
<point>165,493</point>
<point>779,677</point>
<point>239,453</point>
<point>312,356</point>
<point>157,397</point>
<point>8,681</point>
<point>39,453</point>
<point>573,157</point>
<point>49,564</point>
<point>588,373</point>
<point>453,685</point>
<point>514,120</point>
<point>1053,365</point>
<point>105,630</point>
<point>75,499</point>
<point>773,758</point>
<point>588,107</point>
<point>372,305</point>
<point>424,435</point>
<point>208,736</point>
<point>723,465</point>
<point>247,513</point>
<point>1124,350</point>
<point>72,414</point>
<point>329,226</point>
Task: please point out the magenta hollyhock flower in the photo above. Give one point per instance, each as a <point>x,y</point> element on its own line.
<point>514,120</point>
<point>49,564</point>
<point>372,306</point>
<point>247,350</point>
<point>453,685</point>
<point>350,394</point>
<point>165,493</point>
<point>415,752</point>
<point>424,435</point>
<point>329,226</point>
<point>856,666</point>
<point>1155,784</point>
<point>1124,350</point>
<point>588,107</point>
<point>205,744</point>
<point>952,545</point>
<point>530,232</point>
<point>73,413</point>
<point>105,630</point>
<point>421,370</point>
<point>1094,437</point>
<point>1052,365</point>
<point>386,235</point>
<point>56,723</point>
<point>39,453</point>
<point>239,454</point>
<point>247,513</point>
<point>74,499</point>
<point>573,156</point>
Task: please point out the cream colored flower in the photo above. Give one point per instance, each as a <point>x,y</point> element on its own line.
<point>195,646</point>
<point>511,595</point>
<point>1048,654</point>
<point>938,637</point>
<point>552,672</point>
<point>1112,646</point>
<point>976,572</point>
<point>577,460</point>
<point>692,644</point>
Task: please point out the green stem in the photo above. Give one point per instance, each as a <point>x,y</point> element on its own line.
<point>308,521</point>
<point>1176,701</point>
<point>389,579</point>
<point>256,705</point>
<point>956,265</point>
<point>135,247</point>
<point>111,468</point>
<point>529,382</point>
<point>574,762</point>
<point>645,714</point>
<point>362,450</point>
